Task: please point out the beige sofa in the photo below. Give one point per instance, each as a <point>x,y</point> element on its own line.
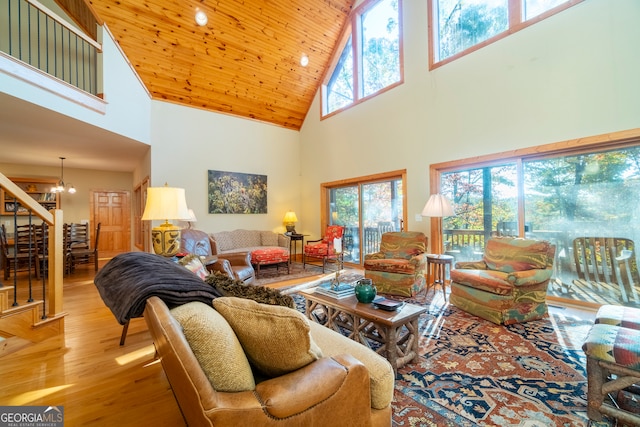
<point>247,241</point>
<point>321,378</point>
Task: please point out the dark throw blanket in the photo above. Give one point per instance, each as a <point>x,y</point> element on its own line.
<point>128,280</point>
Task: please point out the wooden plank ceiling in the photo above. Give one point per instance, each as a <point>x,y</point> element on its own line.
<point>245,61</point>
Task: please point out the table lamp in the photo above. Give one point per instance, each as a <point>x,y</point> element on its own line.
<point>192,219</point>
<point>437,207</point>
<point>290,220</point>
<point>165,203</point>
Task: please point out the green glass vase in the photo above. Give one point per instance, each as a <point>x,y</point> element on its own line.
<point>365,290</point>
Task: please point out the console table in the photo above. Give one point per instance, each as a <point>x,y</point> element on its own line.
<point>392,334</point>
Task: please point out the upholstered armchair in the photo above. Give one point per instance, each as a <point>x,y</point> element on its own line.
<point>235,265</point>
<point>398,268</point>
<point>324,249</point>
<point>509,284</point>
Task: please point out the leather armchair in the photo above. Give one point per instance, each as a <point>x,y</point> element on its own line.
<point>331,391</point>
<point>398,268</point>
<point>509,284</point>
<point>236,265</point>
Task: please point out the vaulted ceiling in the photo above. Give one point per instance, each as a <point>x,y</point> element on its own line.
<point>245,61</point>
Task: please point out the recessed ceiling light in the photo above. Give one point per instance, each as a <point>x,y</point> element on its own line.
<point>304,60</point>
<point>201,18</point>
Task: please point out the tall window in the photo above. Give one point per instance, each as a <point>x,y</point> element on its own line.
<point>562,196</point>
<point>370,58</point>
<point>366,207</point>
<point>460,27</point>
<point>340,87</point>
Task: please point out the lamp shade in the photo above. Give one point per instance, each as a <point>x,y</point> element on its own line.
<point>437,206</point>
<point>290,220</point>
<point>192,216</point>
<point>290,217</point>
<point>164,203</point>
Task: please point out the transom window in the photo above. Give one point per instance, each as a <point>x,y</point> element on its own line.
<point>370,56</point>
<point>460,27</point>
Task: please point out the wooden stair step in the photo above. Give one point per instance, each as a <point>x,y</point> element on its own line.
<point>26,321</point>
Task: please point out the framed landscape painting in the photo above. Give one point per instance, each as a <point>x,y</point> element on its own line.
<point>236,193</point>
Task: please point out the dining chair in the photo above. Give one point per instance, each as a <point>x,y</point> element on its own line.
<point>78,254</point>
<point>20,256</point>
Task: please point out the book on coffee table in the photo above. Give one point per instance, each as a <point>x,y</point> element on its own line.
<point>341,290</point>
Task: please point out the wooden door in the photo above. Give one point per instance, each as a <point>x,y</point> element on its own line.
<point>112,209</point>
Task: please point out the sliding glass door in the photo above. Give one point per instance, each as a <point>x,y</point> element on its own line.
<point>592,196</point>
<point>486,204</point>
<point>586,203</point>
<point>366,208</point>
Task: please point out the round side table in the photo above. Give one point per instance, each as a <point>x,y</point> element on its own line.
<point>437,272</point>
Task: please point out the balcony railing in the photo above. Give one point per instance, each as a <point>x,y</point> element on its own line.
<point>37,36</point>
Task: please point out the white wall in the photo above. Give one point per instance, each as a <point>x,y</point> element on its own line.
<point>187,143</point>
<point>127,102</point>
<point>572,75</point>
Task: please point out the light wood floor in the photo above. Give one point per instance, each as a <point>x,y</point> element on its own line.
<point>98,382</point>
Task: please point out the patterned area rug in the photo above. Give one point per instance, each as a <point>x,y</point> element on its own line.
<point>474,373</point>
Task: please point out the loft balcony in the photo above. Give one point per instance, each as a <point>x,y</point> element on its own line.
<point>41,47</point>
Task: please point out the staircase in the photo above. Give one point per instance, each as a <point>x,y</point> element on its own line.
<point>24,324</point>
<point>25,319</point>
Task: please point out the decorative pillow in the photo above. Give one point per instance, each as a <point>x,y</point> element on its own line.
<point>268,238</point>
<point>193,263</point>
<point>229,287</point>
<point>216,347</point>
<point>275,339</point>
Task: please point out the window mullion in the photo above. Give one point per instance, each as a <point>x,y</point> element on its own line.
<point>515,13</point>
<point>356,47</point>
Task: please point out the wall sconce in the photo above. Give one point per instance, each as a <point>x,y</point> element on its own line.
<point>290,220</point>
<point>165,203</point>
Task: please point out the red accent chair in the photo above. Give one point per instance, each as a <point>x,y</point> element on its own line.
<point>324,248</point>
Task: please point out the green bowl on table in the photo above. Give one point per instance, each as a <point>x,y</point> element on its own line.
<point>365,291</point>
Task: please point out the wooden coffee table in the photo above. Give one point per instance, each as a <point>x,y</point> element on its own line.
<point>392,334</point>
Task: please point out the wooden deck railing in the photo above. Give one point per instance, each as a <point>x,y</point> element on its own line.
<point>470,240</point>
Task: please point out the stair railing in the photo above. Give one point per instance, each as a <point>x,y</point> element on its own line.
<point>53,280</point>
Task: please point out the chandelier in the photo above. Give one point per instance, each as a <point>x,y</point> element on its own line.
<point>60,187</point>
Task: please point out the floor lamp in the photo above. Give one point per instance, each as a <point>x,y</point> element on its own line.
<point>166,203</point>
<point>437,207</point>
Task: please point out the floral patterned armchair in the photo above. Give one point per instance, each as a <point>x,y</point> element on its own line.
<point>509,284</point>
<point>325,248</point>
<point>399,267</point>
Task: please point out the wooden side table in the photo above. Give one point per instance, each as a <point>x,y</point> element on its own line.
<point>437,272</point>
<point>295,238</point>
